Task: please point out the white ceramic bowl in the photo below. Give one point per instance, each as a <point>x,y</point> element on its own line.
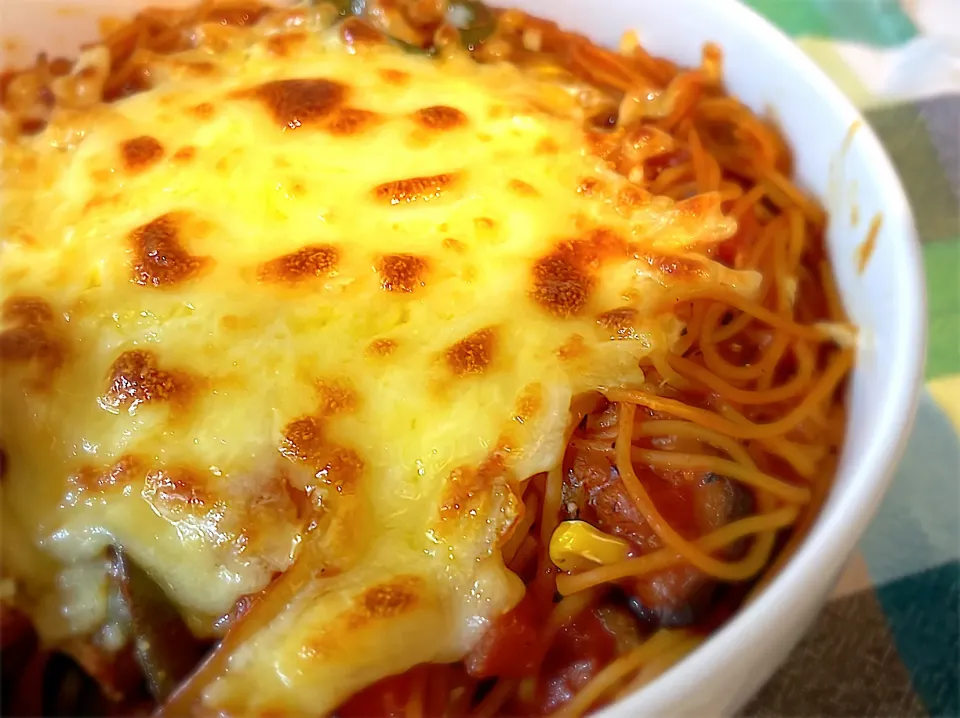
<point>840,161</point>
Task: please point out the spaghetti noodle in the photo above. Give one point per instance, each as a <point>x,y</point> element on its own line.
<point>747,409</point>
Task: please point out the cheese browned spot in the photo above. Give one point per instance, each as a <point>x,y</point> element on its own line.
<point>472,354</point>
<point>176,490</point>
<point>621,322</point>
<point>310,262</point>
<point>336,397</point>
<point>381,347</point>
<point>26,311</point>
<point>350,121</point>
<point>563,281</point>
<point>401,272</point>
<point>529,404</point>
<point>406,191</point>
<point>376,606</point>
<point>301,102</point>
<point>126,471</point>
<point>140,152</point>
<point>160,259</point>
<point>136,379</point>
<point>386,600</point>
<point>590,187</point>
<point>573,348</point>
<point>303,438</point>
<point>603,244</point>
<point>560,284</point>
<point>31,337</point>
<point>336,466</point>
<point>469,486</point>
<point>339,467</point>
<point>440,117</point>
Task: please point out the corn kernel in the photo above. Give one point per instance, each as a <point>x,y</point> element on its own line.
<point>576,545</point>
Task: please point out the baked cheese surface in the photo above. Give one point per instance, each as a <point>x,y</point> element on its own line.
<point>304,290</point>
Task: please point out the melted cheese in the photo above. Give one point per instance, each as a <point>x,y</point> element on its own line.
<point>299,285</point>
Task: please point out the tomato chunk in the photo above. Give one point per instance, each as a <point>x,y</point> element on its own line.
<point>511,648</point>
<point>580,651</point>
<point>387,698</point>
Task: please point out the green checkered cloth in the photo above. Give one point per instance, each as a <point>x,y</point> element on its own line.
<point>887,644</point>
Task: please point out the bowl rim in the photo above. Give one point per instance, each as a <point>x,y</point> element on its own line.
<point>836,533</point>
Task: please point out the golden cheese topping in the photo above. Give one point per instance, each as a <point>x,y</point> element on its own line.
<point>306,287</point>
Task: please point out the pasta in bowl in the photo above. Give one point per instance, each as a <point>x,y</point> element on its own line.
<point>399,358</point>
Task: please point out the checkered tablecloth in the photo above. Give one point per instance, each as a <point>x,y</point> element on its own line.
<point>887,644</point>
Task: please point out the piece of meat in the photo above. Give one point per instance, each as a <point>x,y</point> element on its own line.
<point>694,505</point>
<point>580,651</point>
<point>511,647</point>
<point>681,595</point>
